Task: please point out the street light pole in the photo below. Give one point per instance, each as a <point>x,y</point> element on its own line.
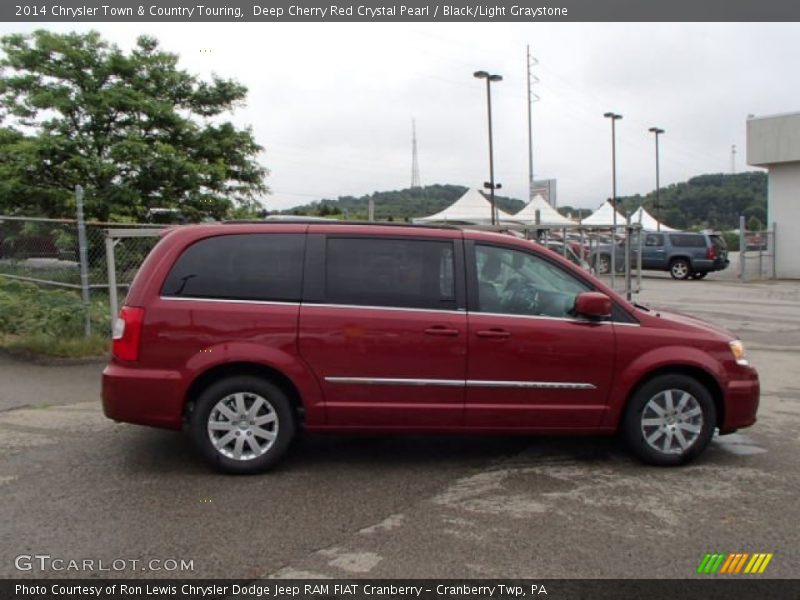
<point>614,118</point>
<point>490,184</point>
<point>657,132</point>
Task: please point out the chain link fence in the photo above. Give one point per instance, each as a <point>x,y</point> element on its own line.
<point>47,252</point>
<point>756,253</point>
<point>593,248</point>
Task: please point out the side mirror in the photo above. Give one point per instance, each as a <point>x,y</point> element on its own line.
<point>594,305</point>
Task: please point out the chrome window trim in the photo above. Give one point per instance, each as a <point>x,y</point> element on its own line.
<point>539,385</point>
<point>229,300</point>
<point>393,308</point>
<point>549,318</point>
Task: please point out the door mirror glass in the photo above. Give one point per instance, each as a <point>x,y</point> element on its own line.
<point>594,305</point>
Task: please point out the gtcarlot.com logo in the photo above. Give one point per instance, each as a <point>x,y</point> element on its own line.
<point>46,562</point>
<point>734,563</point>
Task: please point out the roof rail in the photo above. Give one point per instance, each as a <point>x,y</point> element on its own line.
<point>324,221</point>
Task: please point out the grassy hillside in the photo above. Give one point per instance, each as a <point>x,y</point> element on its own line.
<point>706,201</point>
<point>399,205</point>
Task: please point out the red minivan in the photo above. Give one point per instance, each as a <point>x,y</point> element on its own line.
<point>246,332</point>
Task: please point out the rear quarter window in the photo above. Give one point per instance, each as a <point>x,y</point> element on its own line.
<point>718,242</point>
<point>687,240</point>
<point>240,267</point>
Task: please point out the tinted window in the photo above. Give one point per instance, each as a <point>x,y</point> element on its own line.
<point>390,272</point>
<point>516,282</point>
<point>718,242</point>
<point>240,267</point>
<point>688,240</point>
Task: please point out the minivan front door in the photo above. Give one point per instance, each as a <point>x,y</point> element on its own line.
<point>387,339</point>
<point>531,363</point>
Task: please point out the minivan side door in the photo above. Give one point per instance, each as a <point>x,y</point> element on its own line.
<point>383,326</point>
<point>532,363</point>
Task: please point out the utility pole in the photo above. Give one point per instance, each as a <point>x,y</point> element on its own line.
<point>532,61</point>
<point>414,159</point>
<point>490,185</point>
<point>614,118</point>
<point>657,131</point>
<point>733,158</point>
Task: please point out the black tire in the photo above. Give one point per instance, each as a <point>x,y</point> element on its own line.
<point>680,268</point>
<point>697,275</point>
<point>602,264</point>
<point>640,430</point>
<point>276,406</point>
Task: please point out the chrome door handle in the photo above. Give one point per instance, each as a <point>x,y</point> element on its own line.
<point>493,333</point>
<point>440,330</point>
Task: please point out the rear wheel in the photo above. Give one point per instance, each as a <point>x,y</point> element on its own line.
<point>242,424</point>
<point>679,268</point>
<point>669,420</point>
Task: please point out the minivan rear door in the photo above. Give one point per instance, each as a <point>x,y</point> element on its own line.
<point>383,326</point>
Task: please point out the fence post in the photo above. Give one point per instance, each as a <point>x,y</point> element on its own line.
<point>742,251</point>
<point>82,253</point>
<point>639,261</point>
<point>111,266</point>
<point>774,249</point>
<point>628,256</point>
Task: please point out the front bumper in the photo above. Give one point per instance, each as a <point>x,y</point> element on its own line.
<point>741,401</point>
<point>143,396</point>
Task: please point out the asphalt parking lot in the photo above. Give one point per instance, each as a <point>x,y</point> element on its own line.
<point>77,486</point>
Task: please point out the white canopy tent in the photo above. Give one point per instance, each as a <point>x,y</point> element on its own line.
<point>472,208</point>
<point>603,217</point>
<point>548,215</point>
<point>648,221</point>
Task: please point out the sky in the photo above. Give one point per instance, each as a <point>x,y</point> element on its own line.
<point>332,103</point>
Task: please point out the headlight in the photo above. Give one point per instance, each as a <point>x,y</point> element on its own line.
<point>737,348</point>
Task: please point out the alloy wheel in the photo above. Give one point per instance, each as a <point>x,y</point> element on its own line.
<point>243,426</point>
<point>672,421</point>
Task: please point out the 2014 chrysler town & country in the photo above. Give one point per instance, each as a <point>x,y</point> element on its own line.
<point>246,332</point>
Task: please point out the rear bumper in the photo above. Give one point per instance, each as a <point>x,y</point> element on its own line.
<point>704,265</point>
<point>741,402</point>
<point>143,396</point>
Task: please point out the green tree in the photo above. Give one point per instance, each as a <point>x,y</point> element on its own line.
<point>132,128</point>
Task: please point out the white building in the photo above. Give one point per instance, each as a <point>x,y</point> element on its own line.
<point>773,142</point>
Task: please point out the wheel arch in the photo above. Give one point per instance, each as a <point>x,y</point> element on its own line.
<point>231,369</point>
<point>675,257</point>
<point>701,375</point>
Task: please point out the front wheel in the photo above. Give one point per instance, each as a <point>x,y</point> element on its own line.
<point>669,420</point>
<point>242,424</point>
<point>679,268</point>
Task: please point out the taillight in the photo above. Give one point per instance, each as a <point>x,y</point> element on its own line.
<point>711,253</point>
<point>127,333</point>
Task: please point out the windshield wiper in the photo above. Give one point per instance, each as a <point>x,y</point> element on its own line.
<point>642,306</point>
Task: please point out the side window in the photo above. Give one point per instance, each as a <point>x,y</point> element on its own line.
<point>687,240</point>
<point>240,267</point>
<point>403,273</point>
<point>521,283</point>
<point>654,239</point>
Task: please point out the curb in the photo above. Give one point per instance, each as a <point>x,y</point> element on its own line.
<point>51,361</point>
